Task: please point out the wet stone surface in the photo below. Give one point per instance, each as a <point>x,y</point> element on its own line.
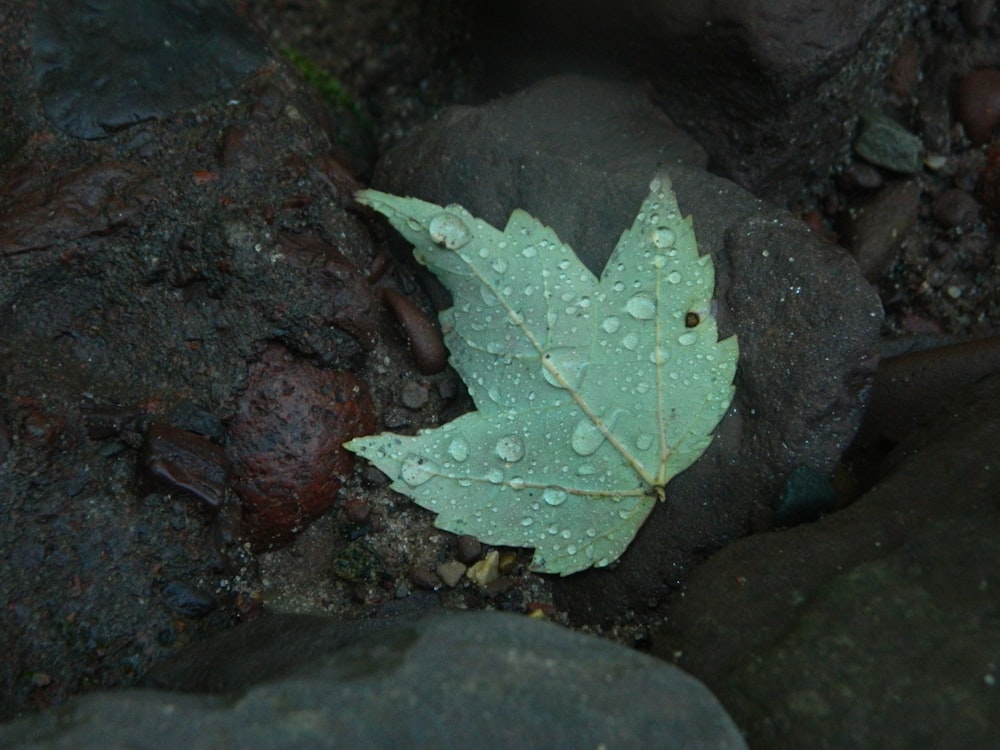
<point>102,66</point>
<point>285,442</point>
<point>779,287</point>
<point>886,608</point>
<point>145,274</point>
<point>304,682</point>
<point>144,277</point>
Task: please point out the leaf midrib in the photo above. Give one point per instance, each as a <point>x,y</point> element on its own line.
<point>653,483</point>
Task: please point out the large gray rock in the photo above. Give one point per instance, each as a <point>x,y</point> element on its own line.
<point>454,681</point>
<point>771,88</point>
<point>579,154</point>
<point>139,275</point>
<point>877,626</point>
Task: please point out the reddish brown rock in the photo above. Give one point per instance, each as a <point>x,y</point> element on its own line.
<point>286,443</point>
<point>187,461</point>
<point>977,103</point>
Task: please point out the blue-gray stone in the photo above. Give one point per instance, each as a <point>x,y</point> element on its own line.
<point>885,143</point>
<point>106,64</point>
<point>454,680</point>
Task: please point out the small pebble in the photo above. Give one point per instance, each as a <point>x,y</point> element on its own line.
<point>187,600</point>
<point>426,344</point>
<point>373,477</point>
<point>484,572</point>
<point>43,431</point>
<point>885,143</point>
<point>187,461</point>
<point>450,572</point>
<point>977,103</point>
<point>880,224</point>
<point>396,417</point>
<point>425,579</point>
<point>357,510</point>
<point>414,394</point>
<point>498,587</point>
<point>955,208</point>
<point>468,549</point>
<point>508,561</point>
<point>859,176</point>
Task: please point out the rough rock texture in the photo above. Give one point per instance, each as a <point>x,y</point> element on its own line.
<point>179,53</point>
<point>738,75</point>
<point>455,681</point>
<point>285,442</point>
<point>579,154</point>
<point>141,275</point>
<point>877,626</point>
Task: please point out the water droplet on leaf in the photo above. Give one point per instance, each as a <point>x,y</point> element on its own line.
<point>415,470</point>
<point>663,237</point>
<point>510,448</point>
<point>553,496</point>
<point>641,306</point>
<point>586,438</point>
<point>459,449</point>
<point>449,231</point>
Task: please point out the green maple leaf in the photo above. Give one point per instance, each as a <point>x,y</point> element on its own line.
<point>590,394</point>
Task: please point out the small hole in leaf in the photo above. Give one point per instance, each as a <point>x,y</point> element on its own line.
<point>692,319</point>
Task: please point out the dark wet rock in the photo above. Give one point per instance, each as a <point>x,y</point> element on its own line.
<point>458,680</point>
<point>425,579</point>
<point>763,85</point>
<point>336,322</point>
<point>468,549</point>
<point>187,600</point>
<point>976,13</point>
<point>910,387</point>
<point>102,66</point>
<point>42,209</point>
<point>878,225</point>
<point>4,442</point>
<point>140,275</point>
<point>187,462</point>
<point>451,572</point>
<point>799,389</point>
<point>955,208</point>
<point>285,442</point>
<point>806,496</point>
<point>357,510</point>
<point>886,609</point>
<point>885,143</point>
<point>422,333</point>
<point>977,103</point>
<point>858,176</point>
<point>414,394</point>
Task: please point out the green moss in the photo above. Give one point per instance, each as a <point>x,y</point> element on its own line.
<point>334,94</point>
